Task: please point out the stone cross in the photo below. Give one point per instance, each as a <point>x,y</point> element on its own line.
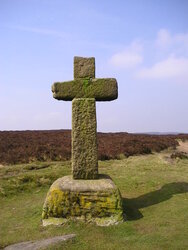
<point>83,91</point>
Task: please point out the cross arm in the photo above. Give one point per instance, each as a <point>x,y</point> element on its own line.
<point>102,89</point>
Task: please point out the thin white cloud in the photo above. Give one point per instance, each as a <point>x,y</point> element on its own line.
<point>169,59</point>
<point>163,38</point>
<point>176,43</point>
<point>60,34</point>
<point>48,32</point>
<point>172,67</point>
<point>130,57</point>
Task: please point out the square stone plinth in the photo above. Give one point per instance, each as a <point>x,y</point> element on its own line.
<point>98,201</point>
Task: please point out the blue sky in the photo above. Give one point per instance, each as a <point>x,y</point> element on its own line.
<point>143,44</point>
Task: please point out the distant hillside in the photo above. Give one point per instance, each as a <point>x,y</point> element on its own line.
<point>55,145</point>
<point>161,133</point>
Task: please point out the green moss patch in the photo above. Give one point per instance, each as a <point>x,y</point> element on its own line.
<point>97,201</point>
<point>102,89</point>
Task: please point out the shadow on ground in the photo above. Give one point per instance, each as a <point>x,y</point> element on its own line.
<point>131,206</point>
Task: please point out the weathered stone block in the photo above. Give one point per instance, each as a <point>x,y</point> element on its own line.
<point>84,67</point>
<point>84,139</point>
<point>102,89</point>
<point>98,201</point>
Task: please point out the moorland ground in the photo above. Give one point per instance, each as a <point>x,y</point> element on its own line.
<point>154,188</point>
<point>54,145</point>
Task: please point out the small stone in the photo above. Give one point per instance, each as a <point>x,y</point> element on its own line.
<point>36,245</point>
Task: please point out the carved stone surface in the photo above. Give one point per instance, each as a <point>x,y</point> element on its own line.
<point>84,139</point>
<point>102,89</point>
<point>84,67</point>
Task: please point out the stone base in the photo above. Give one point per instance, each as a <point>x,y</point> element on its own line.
<point>98,201</point>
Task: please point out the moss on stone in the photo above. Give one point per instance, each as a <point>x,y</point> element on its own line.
<point>102,89</point>
<point>53,221</point>
<point>84,67</point>
<point>75,199</point>
<point>84,139</point>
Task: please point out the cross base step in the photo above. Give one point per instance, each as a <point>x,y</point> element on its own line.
<point>96,201</point>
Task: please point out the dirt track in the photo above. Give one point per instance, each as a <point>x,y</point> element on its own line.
<point>183,146</point>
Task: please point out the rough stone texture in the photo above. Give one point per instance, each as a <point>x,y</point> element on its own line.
<point>83,196</point>
<point>102,89</point>
<point>96,201</point>
<point>83,91</point>
<point>84,67</point>
<point>36,245</point>
<point>84,139</point>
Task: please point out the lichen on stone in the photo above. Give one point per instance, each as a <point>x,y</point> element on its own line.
<point>84,139</point>
<point>102,89</point>
<point>76,200</point>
